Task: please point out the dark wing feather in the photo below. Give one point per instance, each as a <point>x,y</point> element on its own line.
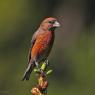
<point>32,44</point>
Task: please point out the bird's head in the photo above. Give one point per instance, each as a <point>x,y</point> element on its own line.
<point>50,24</point>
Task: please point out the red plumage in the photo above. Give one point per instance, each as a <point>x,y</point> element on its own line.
<point>41,44</point>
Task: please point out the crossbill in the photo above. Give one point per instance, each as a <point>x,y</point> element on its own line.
<point>41,44</point>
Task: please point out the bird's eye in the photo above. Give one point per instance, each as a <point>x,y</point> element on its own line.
<point>51,22</point>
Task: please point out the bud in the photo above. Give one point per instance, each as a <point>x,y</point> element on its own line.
<point>35,91</point>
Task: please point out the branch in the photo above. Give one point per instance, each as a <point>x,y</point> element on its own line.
<point>42,85</point>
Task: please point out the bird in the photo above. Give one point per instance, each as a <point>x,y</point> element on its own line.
<point>41,44</point>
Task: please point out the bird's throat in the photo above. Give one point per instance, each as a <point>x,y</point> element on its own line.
<point>52,29</point>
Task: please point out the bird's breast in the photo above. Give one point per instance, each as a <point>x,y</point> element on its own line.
<point>43,45</point>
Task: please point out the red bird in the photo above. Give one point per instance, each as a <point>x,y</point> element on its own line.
<point>41,44</point>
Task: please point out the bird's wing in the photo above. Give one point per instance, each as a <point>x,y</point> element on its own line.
<point>32,44</point>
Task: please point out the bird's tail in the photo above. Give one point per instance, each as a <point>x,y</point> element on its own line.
<point>28,71</point>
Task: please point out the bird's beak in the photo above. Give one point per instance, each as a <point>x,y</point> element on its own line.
<point>56,24</point>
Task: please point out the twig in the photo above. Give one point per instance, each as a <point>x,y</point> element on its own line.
<point>42,85</point>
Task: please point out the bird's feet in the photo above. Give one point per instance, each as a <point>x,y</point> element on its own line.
<point>47,62</point>
<point>42,69</point>
<point>37,69</point>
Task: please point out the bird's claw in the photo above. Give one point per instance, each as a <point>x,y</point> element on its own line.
<point>47,63</point>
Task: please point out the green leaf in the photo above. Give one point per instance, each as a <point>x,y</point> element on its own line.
<point>43,67</point>
<point>49,71</point>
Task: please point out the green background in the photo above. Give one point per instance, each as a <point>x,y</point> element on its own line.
<point>72,57</point>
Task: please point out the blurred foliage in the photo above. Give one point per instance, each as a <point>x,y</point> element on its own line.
<point>72,60</point>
